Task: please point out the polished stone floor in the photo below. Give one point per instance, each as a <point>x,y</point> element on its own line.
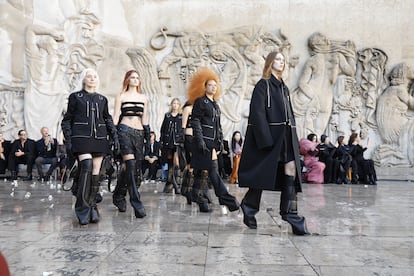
<point>357,230</point>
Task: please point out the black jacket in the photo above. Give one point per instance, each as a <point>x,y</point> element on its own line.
<point>269,120</point>
<point>44,151</point>
<point>29,148</point>
<point>87,116</point>
<point>171,131</point>
<point>206,129</point>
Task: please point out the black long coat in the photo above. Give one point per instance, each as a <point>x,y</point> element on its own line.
<point>269,119</point>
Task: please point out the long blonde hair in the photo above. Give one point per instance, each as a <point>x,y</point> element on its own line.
<point>179,105</point>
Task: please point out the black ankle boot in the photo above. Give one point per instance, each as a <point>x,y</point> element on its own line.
<point>248,215</point>
<point>288,207</point>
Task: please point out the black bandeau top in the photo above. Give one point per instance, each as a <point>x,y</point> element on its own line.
<point>132,109</point>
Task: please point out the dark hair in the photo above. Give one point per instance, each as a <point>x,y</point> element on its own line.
<point>20,132</point>
<point>340,139</point>
<point>352,138</point>
<point>311,136</point>
<point>233,141</point>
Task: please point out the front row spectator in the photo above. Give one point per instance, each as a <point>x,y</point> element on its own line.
<point>23,151</point>
<point>345,159</point>
<point>308,149</point>
<point>46,154</point>
<point>151,157</point>
<point>363,170</point>
<point>5,146</point>
<point>327,155</point>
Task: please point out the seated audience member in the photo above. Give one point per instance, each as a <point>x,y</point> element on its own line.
<point>23,151</point>
<point>345,159</point>
<point>46,154</point>
<point>327,153</point>
<point>362,169</point>
<point>224,160</point>
<point>236,148</point>
<point>151,157</point>
<point>308,149</point>
<point>5,147</point>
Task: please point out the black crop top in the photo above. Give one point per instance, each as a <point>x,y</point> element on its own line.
<point>132,109</point>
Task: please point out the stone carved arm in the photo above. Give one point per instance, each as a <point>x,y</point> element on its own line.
<point>306,76</point>
<point>34,30</point>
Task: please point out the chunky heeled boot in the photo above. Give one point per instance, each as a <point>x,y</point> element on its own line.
<point>82,206</point>
<point>186,185</point>
<point>134,196</point>
<point>220,189</point>
<point>120,191</point>
<point>174,180</point>
<point>248,215</point>
<point>200,184</point>
<point>93,199</point>
<point>288,207</point>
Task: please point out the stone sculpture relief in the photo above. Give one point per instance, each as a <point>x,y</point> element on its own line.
<point>395,118</point>
<point>312,100</point>
<point>46,90</point>
<point>236,55</point>
<point>339,90</point>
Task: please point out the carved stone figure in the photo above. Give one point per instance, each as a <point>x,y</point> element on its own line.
<point>371,70</point>
<point>312,100</point>
<point>395,120</point>
<point>46,90</point>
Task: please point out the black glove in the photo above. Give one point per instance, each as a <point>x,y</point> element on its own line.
<point>116,147</point>
<point>147,134</point>
<point>68,145</point>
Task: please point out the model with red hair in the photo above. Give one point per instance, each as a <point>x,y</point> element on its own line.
<point>208,140</point>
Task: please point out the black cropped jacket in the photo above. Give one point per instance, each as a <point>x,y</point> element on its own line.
<point>87,116</point>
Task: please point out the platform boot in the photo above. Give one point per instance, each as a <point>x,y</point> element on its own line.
<point>199,186</point>
<point>94,199</point>
<point>288,207</point>
<point>220,189</point>
<point>133,184</point>
<point>121,188</point>
<point>82,206</point>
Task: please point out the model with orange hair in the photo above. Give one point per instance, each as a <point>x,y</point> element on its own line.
<point>208,140</point>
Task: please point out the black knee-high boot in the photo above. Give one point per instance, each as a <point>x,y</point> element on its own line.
<point>220,190</point>
<point>187,185</point>
<point>134,196</point>
<point>288,207</point>
<point>82,206</point>
<point>250,205</point>
<point>121,188</point>
<point>174,181</point>
<point>169,184</point>
<point>199,185</point>
<point>93,199</point>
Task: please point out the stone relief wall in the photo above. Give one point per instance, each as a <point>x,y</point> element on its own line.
<point>341,87</point>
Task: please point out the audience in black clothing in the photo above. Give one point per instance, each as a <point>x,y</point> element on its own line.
<point>224,161</point>
<point>345,159</point>
<point>23,151</point>
<point>46,148</point>
<point>151,157</point>
<point>5,147</point>
<point>363,170</point>
<point>327,155</point>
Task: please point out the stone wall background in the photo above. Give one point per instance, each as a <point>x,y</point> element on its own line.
<point>114,27</point>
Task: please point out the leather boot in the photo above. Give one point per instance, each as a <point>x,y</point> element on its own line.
<point>185,185</point>
<point>93,199</point>
<point>220,189</point>
<point>82,206</point>
<point>120,191</point>
<point>288,207</point>
<point>248,215</point>
<point>13,175</point>
<point>134,196</point>
<point>199,185</point>
<point>169,185</point>
<point>174,180</point>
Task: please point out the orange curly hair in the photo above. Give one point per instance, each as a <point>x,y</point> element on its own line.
<point>198,83</point>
